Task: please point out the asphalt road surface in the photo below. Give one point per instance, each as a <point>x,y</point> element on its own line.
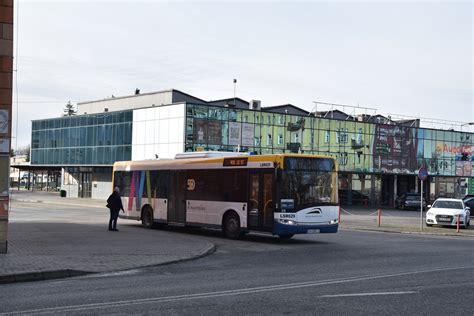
<point>350,273</point>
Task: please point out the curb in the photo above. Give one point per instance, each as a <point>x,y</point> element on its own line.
<point>406,232</point>
<point>62,274</point>
<point>40,276</point>
<point>57,203</point>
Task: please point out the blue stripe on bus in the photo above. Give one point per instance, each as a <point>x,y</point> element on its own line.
<point>140,185</point>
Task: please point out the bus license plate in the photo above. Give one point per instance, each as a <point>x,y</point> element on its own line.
<point>313,231</point>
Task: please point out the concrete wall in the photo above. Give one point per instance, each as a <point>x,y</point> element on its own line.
<point>69,184</point>
<point>101,186</point>
<point>126,103</point>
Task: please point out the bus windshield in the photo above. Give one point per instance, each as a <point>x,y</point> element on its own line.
<point>309,182</point>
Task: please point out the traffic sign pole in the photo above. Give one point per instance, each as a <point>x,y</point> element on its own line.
<point>422,175</point>
<point>421,207</point>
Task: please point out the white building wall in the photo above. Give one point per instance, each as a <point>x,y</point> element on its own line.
<point>158,131</point>
<point>126,103</point>
<point>101,186</point>
<point>69,184</point>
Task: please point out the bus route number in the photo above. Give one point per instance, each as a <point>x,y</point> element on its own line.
<point>235,162</point>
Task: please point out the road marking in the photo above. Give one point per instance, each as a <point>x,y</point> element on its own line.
<point>74,308</point>
<point>369,294</point>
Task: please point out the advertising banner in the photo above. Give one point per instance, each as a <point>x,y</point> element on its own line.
<point>4,122</point>
<point>395,149</point>
<point>234,133</point>
<point>248,134</point>
<point>4,146</point>
<point>207,132</point>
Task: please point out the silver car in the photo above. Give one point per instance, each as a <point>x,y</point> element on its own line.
<point>447,211</point>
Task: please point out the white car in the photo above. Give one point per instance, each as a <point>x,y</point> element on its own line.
<point>446,211</point>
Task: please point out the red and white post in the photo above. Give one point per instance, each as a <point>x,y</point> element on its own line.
<point>379,213</point>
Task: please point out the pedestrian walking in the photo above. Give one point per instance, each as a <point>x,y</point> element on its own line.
<point>114,203</point>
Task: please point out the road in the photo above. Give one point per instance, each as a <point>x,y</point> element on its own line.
<point>356,273</point>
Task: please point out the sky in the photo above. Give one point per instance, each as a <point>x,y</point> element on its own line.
<point>402,58</point>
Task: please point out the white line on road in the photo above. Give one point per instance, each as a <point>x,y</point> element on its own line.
<point>74,308</point>
<point>369,294</point>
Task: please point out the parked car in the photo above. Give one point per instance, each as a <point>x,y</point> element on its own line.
<point>467,196</point>
<point>446,211</point>
<point>469,202</point>
<point>409,200</point>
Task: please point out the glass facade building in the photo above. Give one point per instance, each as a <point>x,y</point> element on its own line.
<point>95,139</point>
<point>360,147</point>
<point>378,159</point>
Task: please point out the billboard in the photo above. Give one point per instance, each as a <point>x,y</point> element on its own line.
<point>395,149</point>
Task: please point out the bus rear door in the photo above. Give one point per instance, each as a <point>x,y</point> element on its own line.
<point>177,198</point>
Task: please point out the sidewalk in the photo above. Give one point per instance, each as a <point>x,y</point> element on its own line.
<point>40,248</point>
<point>393,220</point>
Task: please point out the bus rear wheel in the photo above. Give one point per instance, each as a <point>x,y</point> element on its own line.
<point>147,217</point>
<point>231,226</point>
<point>286,236</point>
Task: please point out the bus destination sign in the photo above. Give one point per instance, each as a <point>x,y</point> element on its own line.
<point>235,162</point>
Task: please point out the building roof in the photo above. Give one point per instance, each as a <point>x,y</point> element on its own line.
<point>283,107</point>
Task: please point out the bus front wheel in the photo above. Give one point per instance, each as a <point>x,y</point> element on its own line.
<point>147,217</point>
<point>231,225</point>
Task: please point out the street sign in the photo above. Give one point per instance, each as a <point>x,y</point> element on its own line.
<point>423,174</point>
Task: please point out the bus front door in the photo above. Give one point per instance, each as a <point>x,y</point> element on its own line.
<point>177,198</point>
<point>261,202</point>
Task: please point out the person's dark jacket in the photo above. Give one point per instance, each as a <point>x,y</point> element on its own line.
<point>114,202</point>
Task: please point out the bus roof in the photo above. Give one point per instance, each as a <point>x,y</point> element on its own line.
<point>252,161</point>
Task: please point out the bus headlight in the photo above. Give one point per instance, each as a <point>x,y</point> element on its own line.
<point>334,221</point>
<point>286,221</point>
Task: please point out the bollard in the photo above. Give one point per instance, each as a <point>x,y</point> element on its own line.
<point>379,216</point>
<point>339,217</point>
<point>365,203</point>
<point>457,225</point>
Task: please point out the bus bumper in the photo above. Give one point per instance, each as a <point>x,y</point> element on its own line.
<point>283,229</point>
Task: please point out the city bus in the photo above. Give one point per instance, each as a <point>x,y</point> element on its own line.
<point>280,194</point>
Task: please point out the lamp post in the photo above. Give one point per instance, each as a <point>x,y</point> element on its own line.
<point>235,84</point>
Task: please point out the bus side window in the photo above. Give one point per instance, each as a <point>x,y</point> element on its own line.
<point>159,184</point>
<point>118,179</point>
<point>122,181</point>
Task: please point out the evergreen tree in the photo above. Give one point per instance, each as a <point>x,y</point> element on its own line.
<point>69,110</point>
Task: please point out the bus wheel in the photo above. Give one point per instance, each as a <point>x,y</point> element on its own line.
<point>286,236</point>
<point>147,217</point>
<point>231,225</point>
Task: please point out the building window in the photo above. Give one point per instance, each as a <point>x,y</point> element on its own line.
<point>246,118</point>
<point>297,138</point>
<point>327,136</point>
<point>341,135</point>
<point>312,137</point>
<point>359,136</point>
<point>280,139</point>
<point>257,141</point>
<point>280,119</point>
<point>269,119</point>
<point>269,139</point>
